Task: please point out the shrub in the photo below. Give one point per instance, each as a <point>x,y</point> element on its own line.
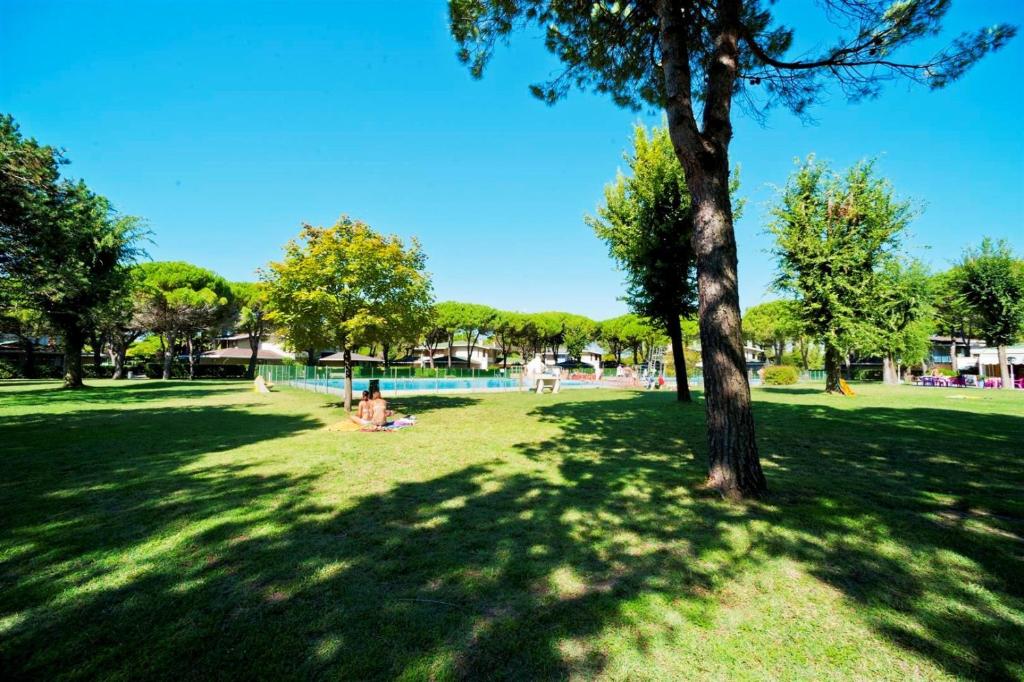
<point>8,370</point>
<point>781,375</point>
<point>867,374</point>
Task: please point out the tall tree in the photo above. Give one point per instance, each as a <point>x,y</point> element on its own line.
<point>992,283</point>
<point>647,223</point>
<point>832,235</point>
<point>577,332</point>
<point>62,247</point>
<point>118,320</point>
<point>899,322</point>
<point>771,325</point>
<point>694,58</point>
<point>472,321</point>
<point>337,287</point>
<point>178,301</point>
<point>610,334</point>
<point>953,315</point>
<point>253,308</point>
<point>447,320</point>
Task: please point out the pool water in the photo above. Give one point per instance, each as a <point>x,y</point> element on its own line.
<point>449,384</point>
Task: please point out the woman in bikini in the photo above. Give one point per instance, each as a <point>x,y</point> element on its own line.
<point>364,411</point>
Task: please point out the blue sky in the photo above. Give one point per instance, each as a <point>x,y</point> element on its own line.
<point>227,124</point>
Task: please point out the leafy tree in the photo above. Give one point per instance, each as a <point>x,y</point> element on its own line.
<point>771,325</point>
<point>898,324</point>
<point>694,58</point>
<point>472,320</point>
<point>27,325</point>
<point>253,308</point>
<point>63,249</point>
<point>993,285</point>
<point>447,320</point>
<point>832,235</point>
<point>339,287</point>
<point>577,332</point>
<point>647,223</point>
<point>118,320</point>
<point>953,315</point>
<point>610,334</point>
<point>178,301</point>
<point>509,328</point>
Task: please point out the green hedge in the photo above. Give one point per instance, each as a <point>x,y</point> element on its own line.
<point>781,375</point>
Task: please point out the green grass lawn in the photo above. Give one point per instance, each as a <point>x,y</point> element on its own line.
<point>202,531</point>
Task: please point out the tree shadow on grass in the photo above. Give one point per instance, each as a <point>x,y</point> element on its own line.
<point>943,484</point>
<point>491,573</point>
<point>50,393</point>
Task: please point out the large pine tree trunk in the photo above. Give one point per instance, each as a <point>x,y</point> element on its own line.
<point>734,465</point>
<point>833,363</point>
<point>74,341</point>
<point>1004,368</point>
<point>675,333</point>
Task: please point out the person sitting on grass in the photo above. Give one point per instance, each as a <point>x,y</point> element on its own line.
<point>379,410</point>
<point>364,411</point>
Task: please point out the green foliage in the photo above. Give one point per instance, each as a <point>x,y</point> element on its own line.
<point>615,48</point>
<point>833,236</point>
<point>781,375</point>
<point>992,284</point>
<point>64,251</point>
<point>181,298</point>
<point>899,322</point>
<point>647,224</point>
<point>149,347</point>
<point>773,323</point>
<point>348,286</point>
<point>9,370</point>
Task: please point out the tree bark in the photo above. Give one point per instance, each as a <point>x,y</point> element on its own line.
<point>29,366</point>
<point>1004,368</point>
<point>96,341</point>
<point>118,357</point>
<point>348,380</point>
<point>191,347</point>
<point>952,353</point>
<point>734,468</point>
<point>780,347</point>
<point>675,334</point>
<point>168,355</point>
<point>890,376</point>
<point>74,341</point>
<point>832,368</point>
<point>254,345</point>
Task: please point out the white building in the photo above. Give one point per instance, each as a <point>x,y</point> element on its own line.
<point>986,359</point>
<point>235,350</point>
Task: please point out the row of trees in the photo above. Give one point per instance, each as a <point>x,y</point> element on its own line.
<point>838,246</point>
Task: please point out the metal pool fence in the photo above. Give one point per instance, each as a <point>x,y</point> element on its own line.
<point>398,380</point>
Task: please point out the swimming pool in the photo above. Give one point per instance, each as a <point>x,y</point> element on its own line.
<point>388,386</point>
